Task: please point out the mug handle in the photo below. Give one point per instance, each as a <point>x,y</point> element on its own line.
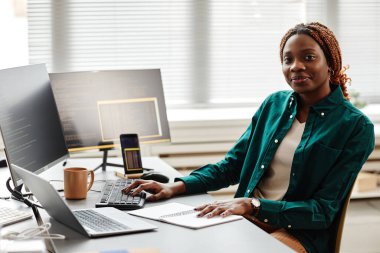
<point>92,180</point>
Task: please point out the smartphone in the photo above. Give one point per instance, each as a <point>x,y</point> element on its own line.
<point>130,149</point>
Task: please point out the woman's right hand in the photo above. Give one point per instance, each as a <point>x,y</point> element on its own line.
<point>158,190</point>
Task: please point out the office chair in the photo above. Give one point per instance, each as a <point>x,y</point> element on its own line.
<point>338,224</point>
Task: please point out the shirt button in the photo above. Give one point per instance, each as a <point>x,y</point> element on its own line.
<point>275,141</point>
<point>289,226</point>
<point>291,116</point>
<point>322,114</point>
<point>262,166</point>
<point>266,220</point>
<point>248,191</point>
<point>292,98</point>
<point>293,174</point>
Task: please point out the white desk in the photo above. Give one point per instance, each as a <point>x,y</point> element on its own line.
<point>240,236</point>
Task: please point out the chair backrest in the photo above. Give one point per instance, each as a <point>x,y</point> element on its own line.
<point>340,222</point>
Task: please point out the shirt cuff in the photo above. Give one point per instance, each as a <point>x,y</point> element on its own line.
<point>269,211</point>
<point>193,184</point>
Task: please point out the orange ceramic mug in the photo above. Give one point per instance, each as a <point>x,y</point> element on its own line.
<point>76,183</point>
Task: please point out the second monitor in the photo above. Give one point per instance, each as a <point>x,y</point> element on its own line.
<point>97,106</point>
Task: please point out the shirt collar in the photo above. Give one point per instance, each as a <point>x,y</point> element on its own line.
<point>328,103</point>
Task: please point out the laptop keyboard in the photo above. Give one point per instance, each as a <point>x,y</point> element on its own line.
<point>98,222</point>
<point>112,196</point>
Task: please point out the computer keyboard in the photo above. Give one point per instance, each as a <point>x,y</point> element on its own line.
<point>112,196</point>
<point>97,221</point>
<point>10,215</point>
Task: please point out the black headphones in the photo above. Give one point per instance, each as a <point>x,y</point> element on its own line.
<point>17,195</point>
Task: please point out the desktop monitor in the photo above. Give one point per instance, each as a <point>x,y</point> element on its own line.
<point>95,107</point>
<point>29,120</point>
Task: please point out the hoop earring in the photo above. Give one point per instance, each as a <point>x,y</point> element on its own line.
<point>331,72</point>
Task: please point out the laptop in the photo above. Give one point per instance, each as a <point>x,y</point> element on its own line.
<point>91,222</point>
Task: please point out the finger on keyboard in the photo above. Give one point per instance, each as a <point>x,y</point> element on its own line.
<point>130,187</point>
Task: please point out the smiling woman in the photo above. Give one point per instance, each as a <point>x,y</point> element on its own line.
<point>311,59</point>
<point>324,47</point>
<point>294,164</point>
<point>305,68</point>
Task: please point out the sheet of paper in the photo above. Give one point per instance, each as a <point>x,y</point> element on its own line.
<point>192,221</point>
<point>156,212</point>
<point>181,215</point>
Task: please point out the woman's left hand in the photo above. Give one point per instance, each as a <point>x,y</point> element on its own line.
<point>238,206</point>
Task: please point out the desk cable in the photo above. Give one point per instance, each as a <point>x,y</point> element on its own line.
<point>40,232</point>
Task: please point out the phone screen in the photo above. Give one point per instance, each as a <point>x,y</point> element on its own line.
<point>130,149</point>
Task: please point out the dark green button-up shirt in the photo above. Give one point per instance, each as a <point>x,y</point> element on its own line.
<point>337,140</point>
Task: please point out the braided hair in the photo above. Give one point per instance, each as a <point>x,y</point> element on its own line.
<point>330,47</point>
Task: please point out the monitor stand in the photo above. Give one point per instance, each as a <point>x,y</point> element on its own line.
<point>108,146</point>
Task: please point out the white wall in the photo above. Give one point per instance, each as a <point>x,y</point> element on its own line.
<point>13,33</point>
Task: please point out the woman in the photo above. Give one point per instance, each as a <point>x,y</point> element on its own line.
<point>298,159</point>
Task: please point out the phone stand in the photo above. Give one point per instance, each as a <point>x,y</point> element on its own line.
<point>107,146</point>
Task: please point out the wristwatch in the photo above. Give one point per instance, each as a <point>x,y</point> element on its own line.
<point>255,203</point>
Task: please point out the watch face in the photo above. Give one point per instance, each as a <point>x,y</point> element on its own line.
<point>255,202</point>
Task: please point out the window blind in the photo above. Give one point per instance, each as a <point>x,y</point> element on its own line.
<point>244,47</point>
<point>80,35</point>
<point>359,36</point>
<point>210,53</point>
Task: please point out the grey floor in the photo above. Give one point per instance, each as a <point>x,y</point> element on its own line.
<point>361,232</point>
